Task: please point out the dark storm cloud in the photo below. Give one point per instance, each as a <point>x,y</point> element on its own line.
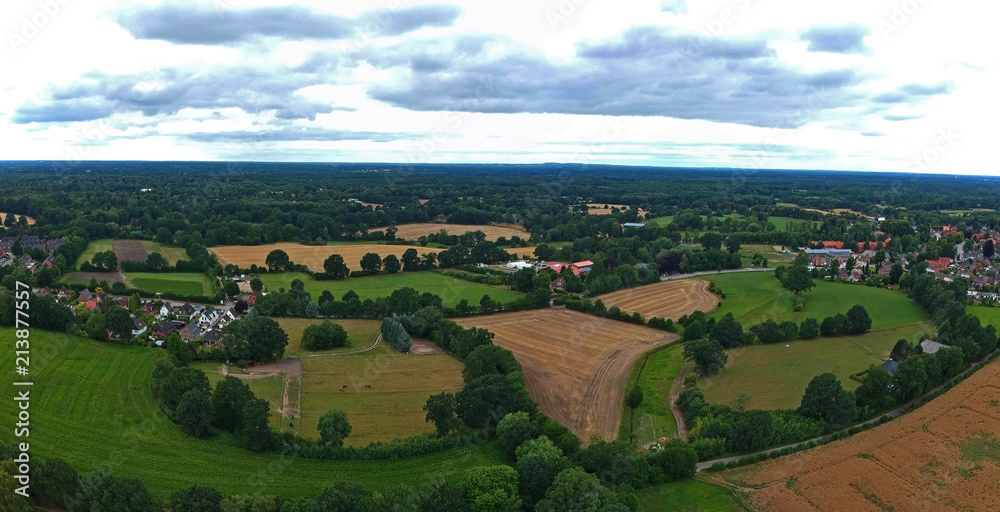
<point>216,25</point>
<point>837,39</point>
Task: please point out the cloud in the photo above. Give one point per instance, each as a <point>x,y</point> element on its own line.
<point>913,93</point>
<point>838,39</point>
<point>217,25</point>
<point>674,6</point>
<point>64,110</point>
<point>291,133</point>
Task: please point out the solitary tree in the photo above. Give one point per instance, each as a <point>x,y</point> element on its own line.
<point>634,398</point>
<point>334,427</point>
<point>324,336</point>
<point>411,260</point>
<point>797,279</point>
<point>441,412</point>
<point>276,260</point>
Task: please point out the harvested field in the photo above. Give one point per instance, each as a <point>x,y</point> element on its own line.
<point>943,456</point>
<point>3,217</point>
<point>575,365</point>
<point>599,209</point>
<point>415,231</point>
<point>312,256</point>
<point>129,250</point>
<point>85,277</point>
<point>666,299</point>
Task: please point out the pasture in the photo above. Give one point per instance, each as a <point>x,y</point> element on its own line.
<point>451,290</point>
<point>754,297</point>
<point>183,283</point>
<point>575,365</point>
<point>311,256</point>
<point>690,495</point>
<point>94,409</point>
<point>777,374</point>
<point>987,315</point>
<point>361,334</point>
<point>665,299</point>
<point>943,456</point>
<point>415,231</point>
<point>654,372</point>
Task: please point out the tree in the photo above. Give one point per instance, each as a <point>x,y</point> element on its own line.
<point>797,279</point>
<point>733,244</point>
<point>911,377</point>
<point>634,397</point>
<point>53,482</point>
<point>256,285</point>
<point>754,430</point>
<point>809,329</point>
<point>842,411</point>
<point>403,301</point>
<point>229,400</point>
<point>100,491</point>
<point>707,354</point>
<point>119,322</point>
<point>538,463</point>
<point>444,496</point>
<point>411,260</point>
<point>769,332</point>
<point>514,429</point>
<point>334,427</point>
<point>833,325</point>
<point>820,395</point>
<point>489,397</point>
<point>196,413</point>
<point>324,336</point>
<point>335,267</point>
<point>254,432</point>
<point>178,382</point>
<point>489,359</point>
<point>676,459</point>
<point>178,348</point>
<point>155,262</point>
<point>989,249</point>
<point>491,488</point>
<point>256,337</point>
<point>276,260</point>
<point>895,273</point>
<point>727,332</point>
<point>574,489</point>
<point>441,412</point>
<point>371,263</point>
<point>711,241</point>
<point>230,288</point>
<point>135,304</point>
<point>873,393</point>
<point>391,264</point>
<point>196,499</point>
<point>858,320</point>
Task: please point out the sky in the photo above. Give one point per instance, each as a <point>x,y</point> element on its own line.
<point>865,85</point>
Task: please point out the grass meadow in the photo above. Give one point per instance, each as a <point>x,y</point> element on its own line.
<point>360,334</point>
<point>450,289</point>
<point>654,372</point>
<point>777,374</point>
<point>690,495</point>
<point>94,409</point>
<point>171,254</point>
<point>183,283</point>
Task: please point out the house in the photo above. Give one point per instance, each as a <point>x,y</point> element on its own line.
<point>101,296</point>
<point>210,316</point>
<point>64,292</point>
<point>190,332</point>
<point>212,338</point>
<point>884,270</point>
<point>122,302</point>
<point>49,262</point>
<point>45,291</point>
<point>187,309</point>
<point>86,295</point>
<point>890,366</point>
<point>931,347</point>
<point>149,308</point>
<point>166,328</point>
<point>91,305</point>
<point>830,244</point>
<point>138,326</point>
<point>857,274</point>
<point>558,284</point>
<point>939,264</point>
<point>519,265</point>
<point>165,309</point>
<point>555,266</point>
<point>225,319</point>
<point>583,266</point>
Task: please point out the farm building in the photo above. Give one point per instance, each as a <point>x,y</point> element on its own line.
<point>519,265</point>
<point>931,347</point>
<point>633,224</point>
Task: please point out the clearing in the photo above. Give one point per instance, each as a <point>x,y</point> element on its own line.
<point>575,365</point>
<point>95,411</point>
<point>942,456</point>
<point>415,231</point>
<point>777,374</point>
<point>605,209</point>
<point>689,495</point>
<point>311,256</point>
<point>451,290</point>
<point>665,299</point>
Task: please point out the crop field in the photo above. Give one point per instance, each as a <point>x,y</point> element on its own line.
<point>942,456</point>
<point>777,374</point>
<point>3,217</point>
<point>311,256</point>
<point>392,407</point>
<point>171,254</point>
<point>93,248</point>
<point>129,250</point>
<point>665,299</point>
<point>94,409</point>
<point>575,365</point>
<point>667,219</point>
<point>185,283</point>
<point>654,373</point>
<point>85,277</point>
<point>361,334</point>
<point>415,231</point>
<point>451,290</point>
<point>754,297</point>
<point>690,495</point>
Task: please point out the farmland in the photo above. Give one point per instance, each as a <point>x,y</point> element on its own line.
<point>415,231</point>
<point>182,283</point>
<point>450,289</point>
<point>85,277</point>
<point>171,254</point>
<point>943,456</point>
<point>360,333</point>
<point>753,297</point>
<point>605,209</point>
<point>311,256</point>
<point>95,410</point>
<point>575,365</point>
<point>987,316</point>
<point>654,372</point>
<point>3,217</point>
<point>777,374</point>
<point>691,495</point>
<point>665,299</point>
<point>129,250</point>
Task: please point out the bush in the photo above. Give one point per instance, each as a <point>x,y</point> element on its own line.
<point>718,466</point>
<point>324,336</point>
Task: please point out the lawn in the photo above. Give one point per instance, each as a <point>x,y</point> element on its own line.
<point>182,283</point>
<point>777,374</point>
<point>987,315</point>
<point>360,334</point>
<point>451,290</point>
<point>754,297</point>
<point>93,408</point>
<point>691,495</point>
<point>654,372</point>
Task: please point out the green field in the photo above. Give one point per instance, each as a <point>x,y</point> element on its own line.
<point>654,372</point>
<point>171,254</point>
<point>92,248</point>
<point>777,374</point>
<point>450,289</point>
<point>360,334</point>
<point>268,388</point>
<point>691,495</point>
<point>987,316</point>
<point>667,219</point>
<point>93,408</point>
<point>754,297</point>
<point>183,283</point>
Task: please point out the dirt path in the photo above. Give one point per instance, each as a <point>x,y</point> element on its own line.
<point>675,393</point>
<point>291,371</point>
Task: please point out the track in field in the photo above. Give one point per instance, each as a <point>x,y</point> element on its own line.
<point>575,365</point>
<point>666,299</point>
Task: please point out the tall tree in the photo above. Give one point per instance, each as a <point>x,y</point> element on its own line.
<point>441,412</point>
<point>334,428</point>
<point>335,267</point>
<point>707,354</point>
<point>276,260</point>
<point>797,279</point>
<point>371,262</point>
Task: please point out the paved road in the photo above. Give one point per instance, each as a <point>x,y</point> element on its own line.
<point>895,412</point>
<point>714,272</point>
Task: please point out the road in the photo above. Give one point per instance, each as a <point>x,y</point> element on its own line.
<point>714,272</point>
<point>895,412</point>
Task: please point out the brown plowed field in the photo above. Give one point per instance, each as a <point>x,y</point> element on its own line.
<point>415,231</point>
<point>666,299</point>
<point>129,250</point>
<point>943,456</point>
<point>575,365</point>
<point>311,256</point>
